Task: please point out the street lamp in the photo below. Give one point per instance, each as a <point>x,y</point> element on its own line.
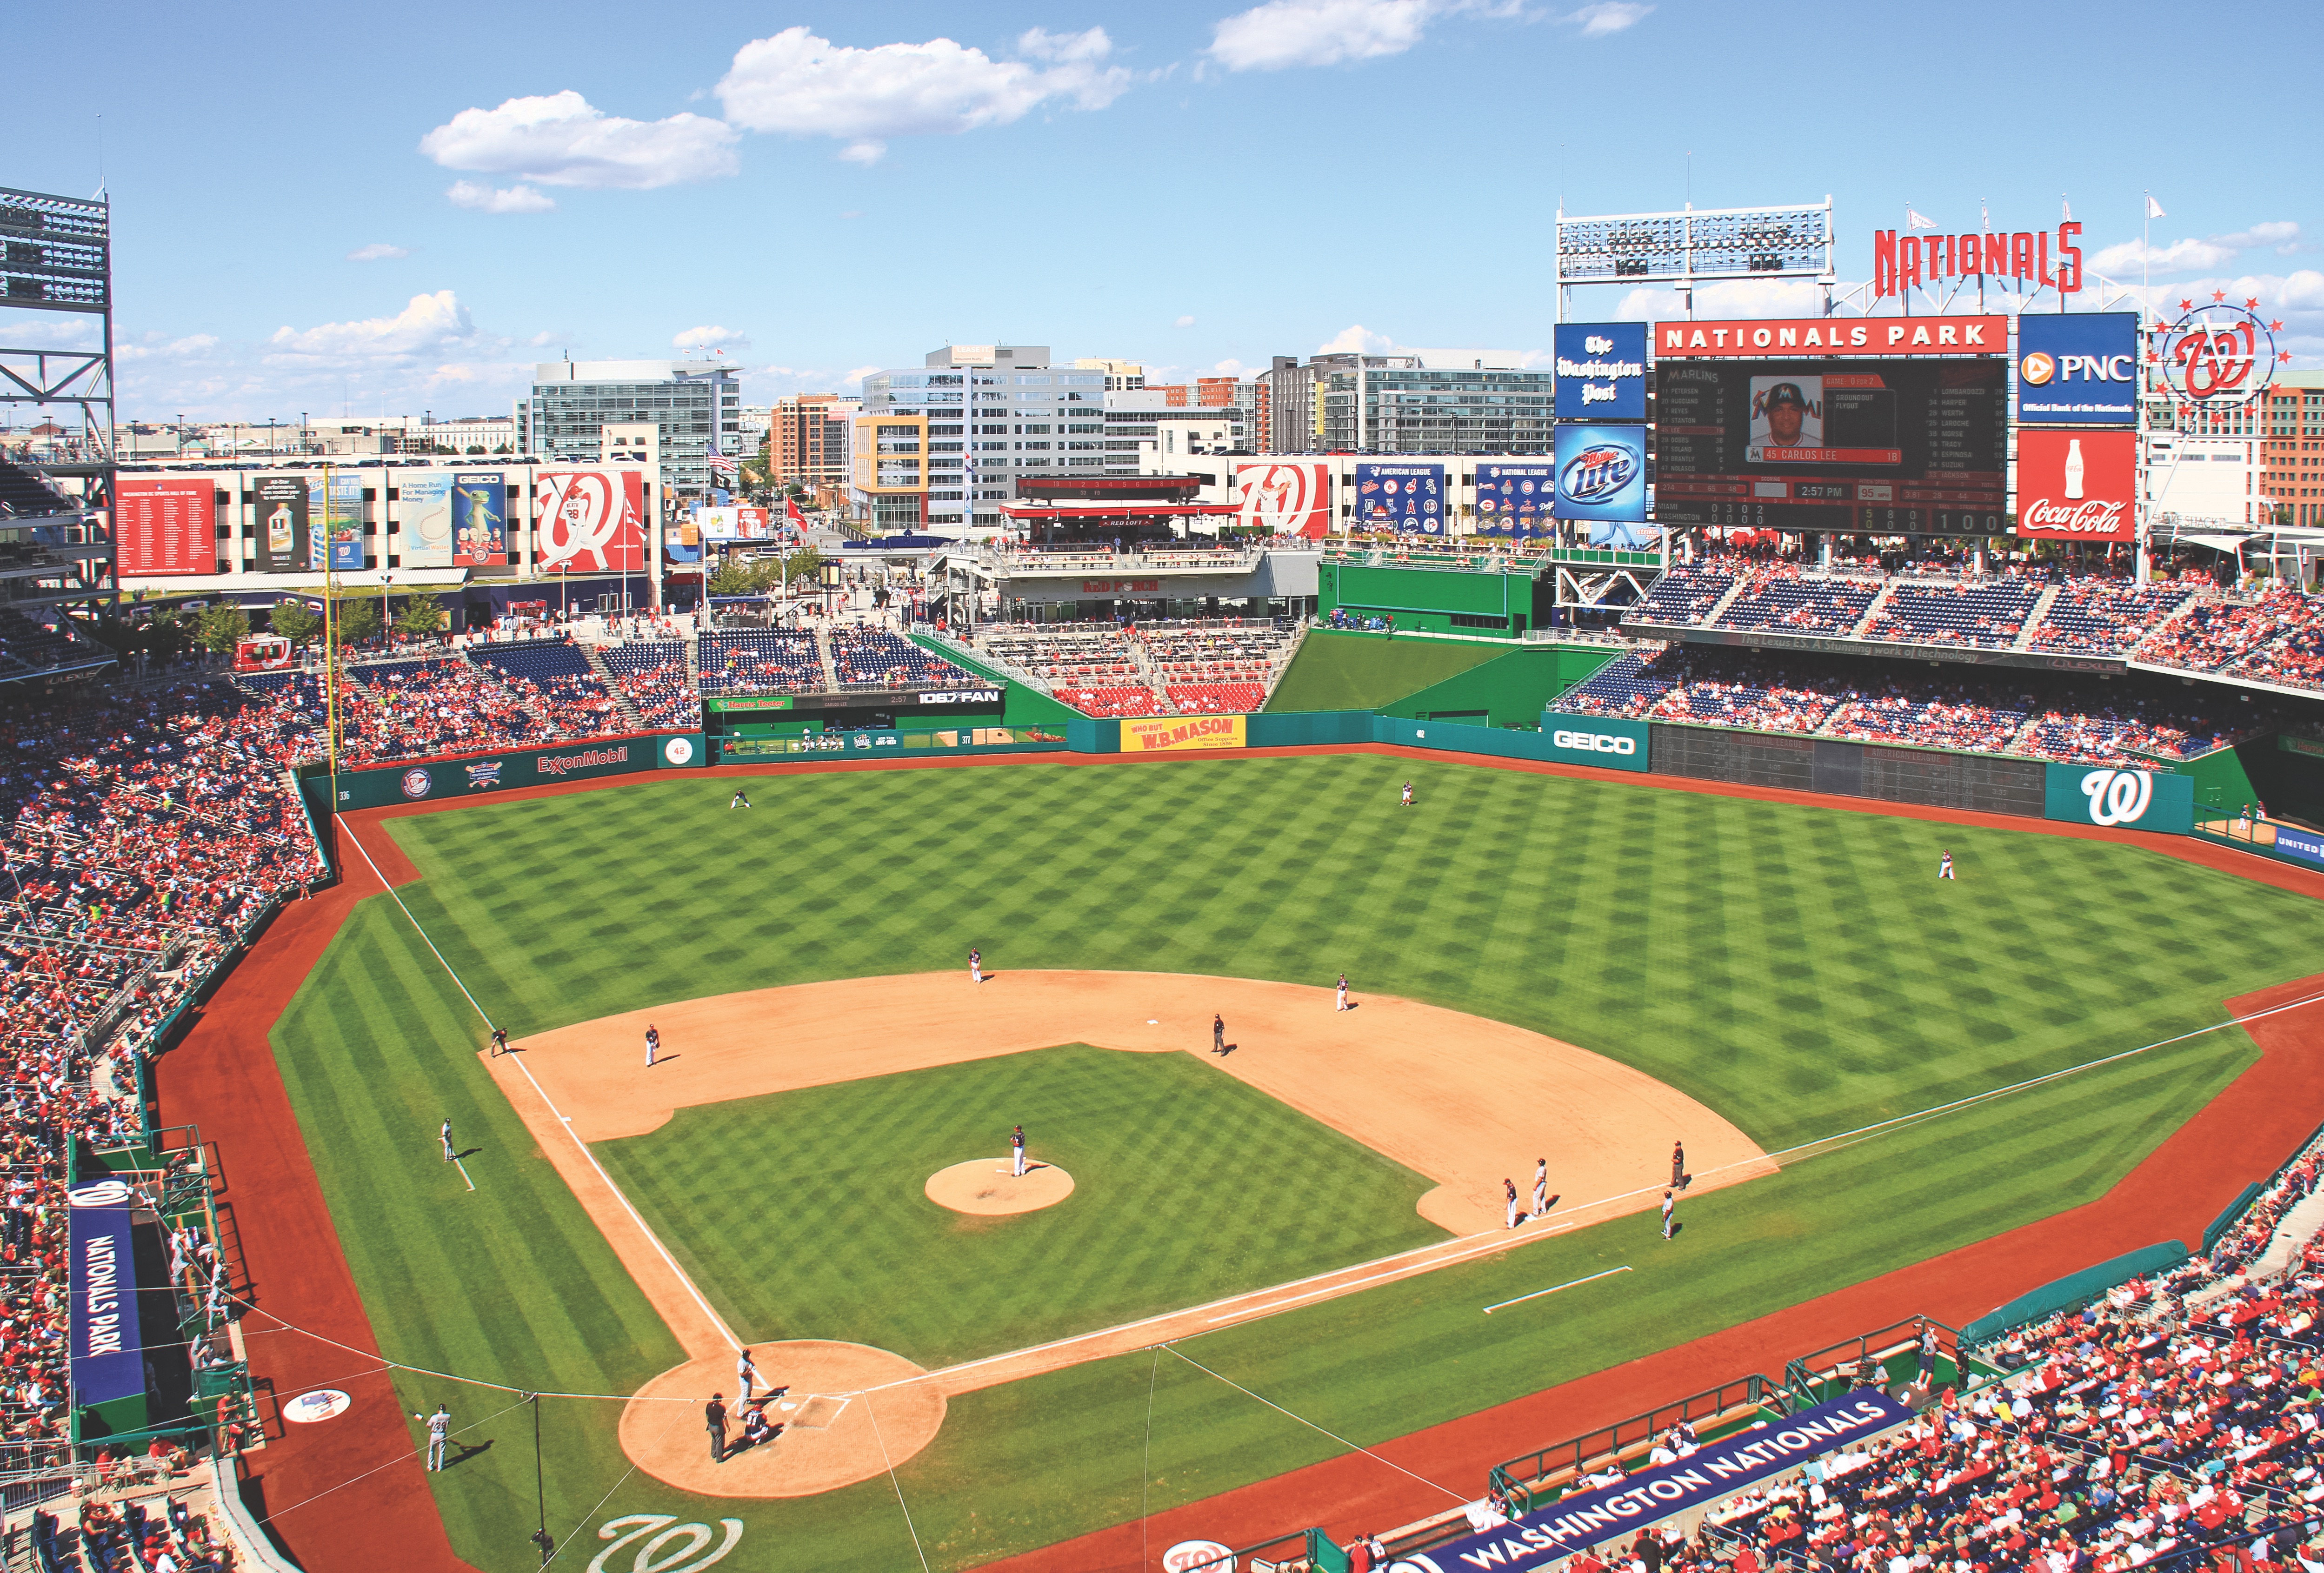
<point>386,640</point>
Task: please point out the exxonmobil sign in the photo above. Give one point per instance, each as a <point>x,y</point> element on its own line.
<point>1603,740</point>
<point>1749,339</point>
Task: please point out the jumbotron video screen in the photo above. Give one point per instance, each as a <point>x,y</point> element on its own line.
<point>1886,447</point>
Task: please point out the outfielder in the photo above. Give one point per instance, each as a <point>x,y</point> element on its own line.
<point>447,1133</point>
<point>1670,1213</point>
<point>1407,795</point>
<point>439,1432</point>
<point>1017,1152</point>
<point>1945,864</point>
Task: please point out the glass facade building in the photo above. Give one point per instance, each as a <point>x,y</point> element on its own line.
<point>991,413</point>
<point>692,404</point>
<point>1413,409</point>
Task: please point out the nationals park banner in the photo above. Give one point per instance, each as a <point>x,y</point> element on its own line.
<point>1575,1523</point>
<point>591,521</point>
<point>1183,733</point>
<point>108,1360</point>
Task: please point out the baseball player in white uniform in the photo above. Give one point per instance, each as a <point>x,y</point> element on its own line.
<point>1017,1152</point>
<point>439,1432</point>
<point>746,1374</point>
<point>447,1133</point>
<point>1541,1187</point>
<point>1342,1004</point>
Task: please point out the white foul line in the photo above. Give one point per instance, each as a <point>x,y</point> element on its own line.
<point>463,1172</point>
<point>1537,1295</point>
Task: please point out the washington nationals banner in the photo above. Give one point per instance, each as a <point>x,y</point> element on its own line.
<point>108,1360</point>
<point>2157,800</point>
<point>337,516</point>
<point>1573,1523</point>
<point>1289,498</point>
<point>1408,498</point>
<point>591,520</point>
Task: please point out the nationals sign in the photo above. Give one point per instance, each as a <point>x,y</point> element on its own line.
<point>2076,485</point>
<point>591,520</point>
<point>1289,499</point>
<point>1833,336</point>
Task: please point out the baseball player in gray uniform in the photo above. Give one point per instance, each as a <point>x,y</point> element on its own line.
<point>1017,1152</point>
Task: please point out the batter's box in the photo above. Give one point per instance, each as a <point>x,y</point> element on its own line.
<point>818,1411</point>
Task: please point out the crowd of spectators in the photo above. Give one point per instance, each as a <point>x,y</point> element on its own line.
<point>1788,599</point>
<point>760,661</point>
<point>2105,617</point>
<point>555,680</point>
<point>2043,715</point>
<point>652,675</point>
<point>2215,635</point>
<point>870,658</point>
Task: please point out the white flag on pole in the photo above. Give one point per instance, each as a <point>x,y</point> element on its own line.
<point>2153,208</point>
<point>1919,220</point>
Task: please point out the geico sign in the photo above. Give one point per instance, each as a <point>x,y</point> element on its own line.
<point>2118,796</point>
<point>1594,742</point>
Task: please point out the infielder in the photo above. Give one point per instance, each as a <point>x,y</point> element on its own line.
<point>439,1432</point>
<point>1540,1187</point>
<point>653,1044</point>
<point>1510,1186</point>
<point>447,1133</point>
<point>975,966</point>
<point>1017,1152</point>
<point>1945,864</point>
<point>1343,993</point>
<point>1218,1034</point>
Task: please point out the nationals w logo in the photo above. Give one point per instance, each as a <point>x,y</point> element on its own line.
<point>2118,796</point>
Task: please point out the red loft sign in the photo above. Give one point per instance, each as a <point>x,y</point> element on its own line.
<point>1833,336</point>
<point>1900,261</point>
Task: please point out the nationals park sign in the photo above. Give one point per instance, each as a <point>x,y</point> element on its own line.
<point>1573,1523</point>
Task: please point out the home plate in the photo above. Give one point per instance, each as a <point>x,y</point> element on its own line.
<point>817,1413</point>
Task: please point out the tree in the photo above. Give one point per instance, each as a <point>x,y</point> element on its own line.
<point>356,620</point>
<point>732,578</point>
<point>220,628</point>
<point>476,448</point>
<point>802,563</point>
<point>420,616</point>
<point>295,622</point>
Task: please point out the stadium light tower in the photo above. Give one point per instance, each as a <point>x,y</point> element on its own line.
<point>1693,244</point>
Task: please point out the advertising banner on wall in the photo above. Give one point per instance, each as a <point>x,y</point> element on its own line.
<point>681,542</point>
<point>165,524</point>
<point>1182,734</point>
<point>734,522</point>
<point>108,1360</point>
<point>1289,498</point>
<point>1747,338</point>
<point>1408,498</point>
<point>2076,485</point>
<point>591,521</point>
<point>480,520</point>
<point>1516,499</point>
<point>1601,371</point>
<point>1602,477</point>
<point>2078,370</point>
<point>1603,740</point>
<point>341,529</point>
<point>1579,1520</point>
<point>2155,800</point>
<point>282,509</point>
<point>423,518</point>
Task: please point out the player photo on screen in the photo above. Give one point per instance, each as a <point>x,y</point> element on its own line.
<point>1786,414</point>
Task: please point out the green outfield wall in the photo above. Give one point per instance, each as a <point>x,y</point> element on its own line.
<point>1510,690</point>
<point>1437,599</point>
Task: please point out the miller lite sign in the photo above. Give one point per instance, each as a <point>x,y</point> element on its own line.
<point>2076,485</point>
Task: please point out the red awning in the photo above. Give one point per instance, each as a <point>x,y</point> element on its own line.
<point>1124,511</point>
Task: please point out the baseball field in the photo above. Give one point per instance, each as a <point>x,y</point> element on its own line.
<point>1571,966</point>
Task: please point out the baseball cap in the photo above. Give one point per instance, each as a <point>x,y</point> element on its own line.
<point>1786,392</point>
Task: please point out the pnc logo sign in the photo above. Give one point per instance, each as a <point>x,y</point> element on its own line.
<point>2039,368</point>
<point>1594,742</point>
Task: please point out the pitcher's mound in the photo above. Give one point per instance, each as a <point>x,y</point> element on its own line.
<point>985,1187</point>
<point>833,1427</point>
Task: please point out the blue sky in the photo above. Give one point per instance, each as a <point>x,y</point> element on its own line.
<point>387,212</point>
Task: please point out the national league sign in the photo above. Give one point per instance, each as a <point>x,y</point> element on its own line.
<point>2076,485</point>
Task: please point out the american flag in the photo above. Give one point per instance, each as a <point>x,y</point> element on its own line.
<point>721,464</point>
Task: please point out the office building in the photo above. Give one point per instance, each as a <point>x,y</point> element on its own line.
<point>2292,451</point>
<point>972,418</point>
<point>696,406</point>
<point>1413,401</point>
<point>810,438</point>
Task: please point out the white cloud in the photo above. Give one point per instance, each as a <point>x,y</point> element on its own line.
<point>1231,368</point>
<point>506,200</point>
<point>1607,16</point>
<point>156,347</point>
<point>859,373</point>
<point>710,338</point>
<point>1728,297</point>
<point>802,84</point>
<point>379,250</point>
<point>2284,235</point>
<point>1282,34</point>
<point>1353,338</point>
<point>429,325</point>
<point>2179,256</point>
<point>562,140</point>
<point>1185,322</point>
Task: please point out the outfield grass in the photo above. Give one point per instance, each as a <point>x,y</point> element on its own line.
<point>800,1213</point>
<point>1346,671</point>
<point>1798,969</point>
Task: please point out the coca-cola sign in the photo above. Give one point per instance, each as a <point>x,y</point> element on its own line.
<point>2076,485</point>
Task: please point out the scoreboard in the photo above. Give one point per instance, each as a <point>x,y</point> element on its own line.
<point>1882,447</point>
